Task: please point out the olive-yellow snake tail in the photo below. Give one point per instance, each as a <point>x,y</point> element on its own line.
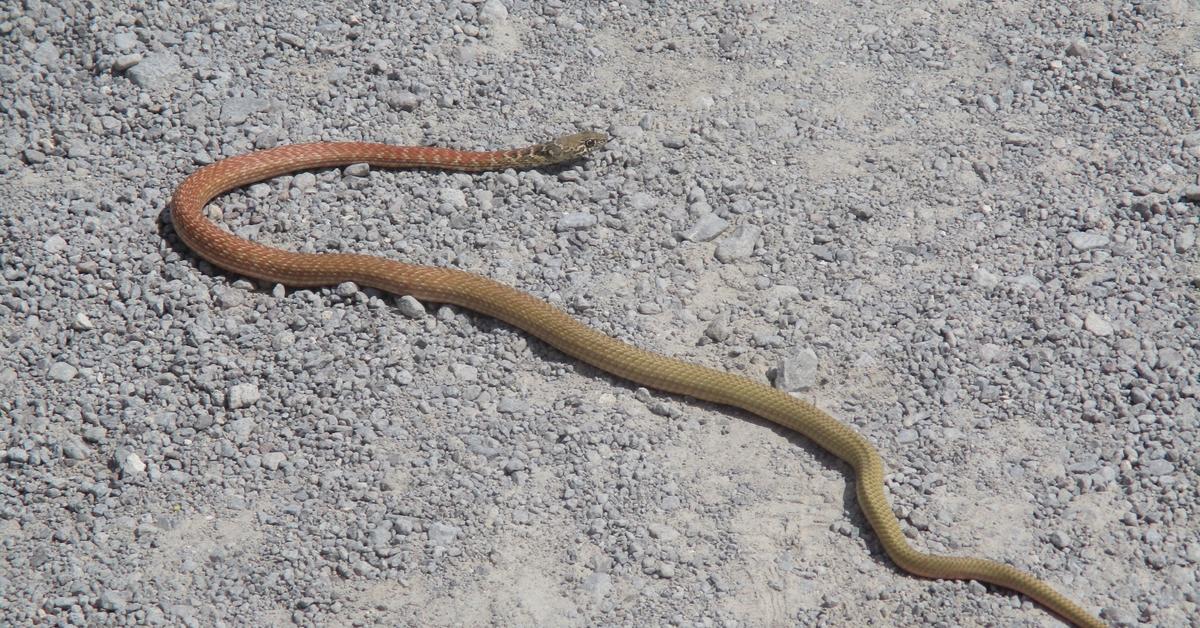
<point>552,325</point>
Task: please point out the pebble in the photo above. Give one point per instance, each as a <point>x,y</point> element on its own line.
<point>1087,241</point>
<point>114,601</point>
<point>54,244</point>
<point>273,460</point>
<point>304,181</point>
<point>442,534</point>
<point>718,328</point>
<point>157,71</point>
<point>797,372</point>
<point>242,396</point>
<point>642,202</point>
<point>705,228</point>
<point>985,279</point>
<point>662,532</point>
<point>1160,467</point>
<point>62,372</point>
<point>129,463</point>
<point>1097,324</point>
<point>493,12</point>
<point>738,245</point>
<point>575,220</point>
<point>410,307</point>
<point>597,584</point>
<point>235,111</point>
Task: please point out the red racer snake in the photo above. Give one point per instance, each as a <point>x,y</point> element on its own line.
<point>517,308</point>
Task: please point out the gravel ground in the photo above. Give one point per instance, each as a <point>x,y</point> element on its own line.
<point>968,229</point>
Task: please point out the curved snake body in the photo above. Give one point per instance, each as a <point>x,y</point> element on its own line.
<point>552,325</point>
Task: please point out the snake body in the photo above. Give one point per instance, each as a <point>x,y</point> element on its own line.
<point>553,326</point>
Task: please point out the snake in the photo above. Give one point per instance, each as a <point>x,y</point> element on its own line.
<point>552,325</point>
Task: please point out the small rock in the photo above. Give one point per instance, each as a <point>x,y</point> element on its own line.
<point>235,111</point>
<point>442,534</point>
<point>159,70</point>
<point>718,328</point>
<point>75,450</point>
<point>358,170</point>
<point>1077,48</point>
<point>986,280</point>
<point>642,202</point>
<point>410,307</point>
<point>1060,539</point>
<point>493,12</point>
<point>54,244</point>
<point>273,460</point>
<point>662,532</point>
<point>706,228</point>
<point>46,54</point>
<point>403,100</point>
<point>242,396</point>
<point>1087,241</point>
<point>1192,193</point>
<point>124,62</point>
<point>1160,467</point>
<point>797,373</point>
<point>129,463</point>
<point>575,220</point>
<point>675,141</point>
<point>304,181</point>
<point>598,584</point>
<point>114,601</point>
<point>125,41</point>
<point>1185,241</point>
<point>739,244</point>
<point>1097,324</point>
<point>512,405</point>
<point>63,372</point>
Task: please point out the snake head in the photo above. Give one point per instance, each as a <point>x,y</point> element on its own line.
<point>569,147</point>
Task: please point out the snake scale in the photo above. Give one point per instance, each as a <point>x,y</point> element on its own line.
<point>555,327</point>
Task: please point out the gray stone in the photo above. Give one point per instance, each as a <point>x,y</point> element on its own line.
<point>1160,467</point>
<point>493,12</point>
<point>62,372</point>
<point>157,71</point>
<point>575,220</point>
<point>797,373</point>
<point>410,307</point>
<point>235,111</point>
<point>242,396</point>
<point>442,534</point>
<point>662,532</point>
<point>114,601</point>
<point>985,279</point>
<point>704,229</point>
<point>1085,241</point>
<point>1097,324</point>
<point>718,328</point>
<point>739,244</point>
<point>598,584</point>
